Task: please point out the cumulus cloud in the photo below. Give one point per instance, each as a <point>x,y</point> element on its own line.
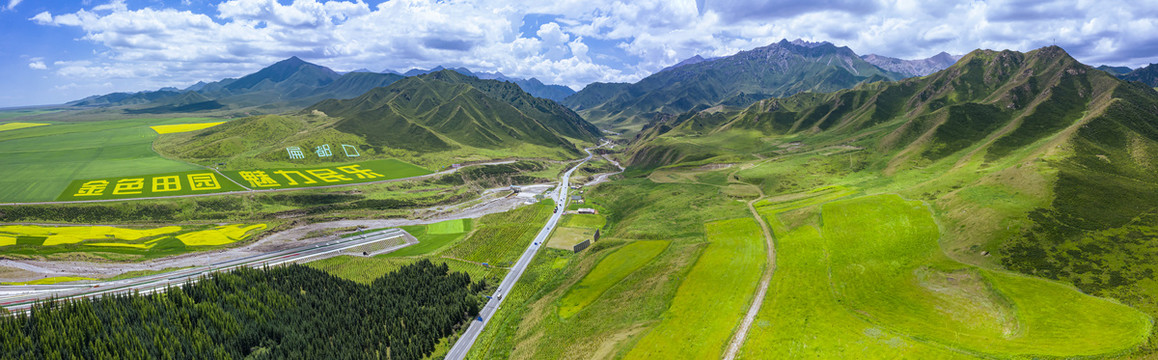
<point>579,41</point>
<point>37,65</point>
<point>12,4</point>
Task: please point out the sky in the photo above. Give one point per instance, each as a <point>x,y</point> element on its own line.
<point>53,51</point>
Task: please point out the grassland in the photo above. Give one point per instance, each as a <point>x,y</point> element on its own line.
<point>366,269</point>
<point>610,271</point>
<point>180,128</point>
<point>42,161</point>
<point>9,114</point>
<point>712,299</point>
<point>565,238</point>
<point>500,238</point>
<point>875,273</point>
<point>430,243</point>
<point>585,221</point>
<point>636,209</point>
<point>456,226</point>
<point>117,243</point>
<point>18,125</point>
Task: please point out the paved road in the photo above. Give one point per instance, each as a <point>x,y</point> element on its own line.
<point>462,346</point>
<point>19,298</point>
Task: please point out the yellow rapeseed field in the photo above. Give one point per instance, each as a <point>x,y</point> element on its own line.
<point>18,125</point>
<point>220,235</point>
<point>49,281</point>
<point>179,128</point>
<point>75,234</point>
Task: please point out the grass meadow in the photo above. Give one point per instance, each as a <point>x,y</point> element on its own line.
<point>871,282</point>
<point>712,299</point>
<point>40,162</point>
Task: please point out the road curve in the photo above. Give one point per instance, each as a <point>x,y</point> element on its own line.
<point>464,343</point>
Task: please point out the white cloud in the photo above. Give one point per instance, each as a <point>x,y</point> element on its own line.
<point>37,64</point>
<point>12,4</point>
<point>578,41</point>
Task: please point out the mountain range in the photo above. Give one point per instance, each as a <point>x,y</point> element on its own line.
<point>532,86</point>
<point>285,85</point>
<point>1147,75</point>
<point>441,114</point>
<point>1071,150</point>
<point>776,70</point>
<point>911,68</point>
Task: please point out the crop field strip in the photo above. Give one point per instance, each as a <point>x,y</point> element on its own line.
<point>39,162</point>
<point>877,274</point>
<point>106,241</point>
<point>610,271</point>
<point>499,238</point>
<point>18,125</point>
<point>180,128</point>
<point>713,297</point>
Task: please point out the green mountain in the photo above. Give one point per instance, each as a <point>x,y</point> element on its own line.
<point>593,95</point>
<point>432,120</point>
<point>1032,162</point>
<point>353,84</point>
<point>1115,70</point>
<point>779,69</point>
<point>445,109</point>
<point>1147,75</point>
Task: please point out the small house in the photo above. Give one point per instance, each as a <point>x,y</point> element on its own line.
<point>587,211</point>
<point>577,199</point>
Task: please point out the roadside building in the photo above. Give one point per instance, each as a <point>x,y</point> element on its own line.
<point>577,199</point>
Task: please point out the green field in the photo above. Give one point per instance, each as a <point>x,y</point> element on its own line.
<point>39,162</point>
<point>588,221</point>
<point>610,271</point>
<point>429,242</point>
<point>712,299</point>
<point>499,238</point>
<point>366,269</point>
<point>875,285</point>
<point>456,226</point>
<point>9,114</point>
<point>565,238</point>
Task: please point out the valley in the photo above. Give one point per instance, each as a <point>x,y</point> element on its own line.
<point>791,200</point>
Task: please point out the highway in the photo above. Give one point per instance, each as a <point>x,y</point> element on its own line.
<point>464,343</point>
<point>20,298</point>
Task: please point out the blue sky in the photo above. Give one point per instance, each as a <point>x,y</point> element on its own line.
<point>56,51</point>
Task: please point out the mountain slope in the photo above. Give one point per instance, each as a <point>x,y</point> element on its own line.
<point>911,68</point>
<point>779,69</point>
<point>432,120</point>
<point>1032,161</point>
<point>1147,75</point>
<point>462,109</point>
<point>1115,70</point>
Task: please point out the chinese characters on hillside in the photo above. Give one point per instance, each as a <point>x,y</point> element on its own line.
<point>157,184</point>
<point>296,153</point>
<point>262,179</point>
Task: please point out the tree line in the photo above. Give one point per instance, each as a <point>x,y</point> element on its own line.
<point>290,312</point>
